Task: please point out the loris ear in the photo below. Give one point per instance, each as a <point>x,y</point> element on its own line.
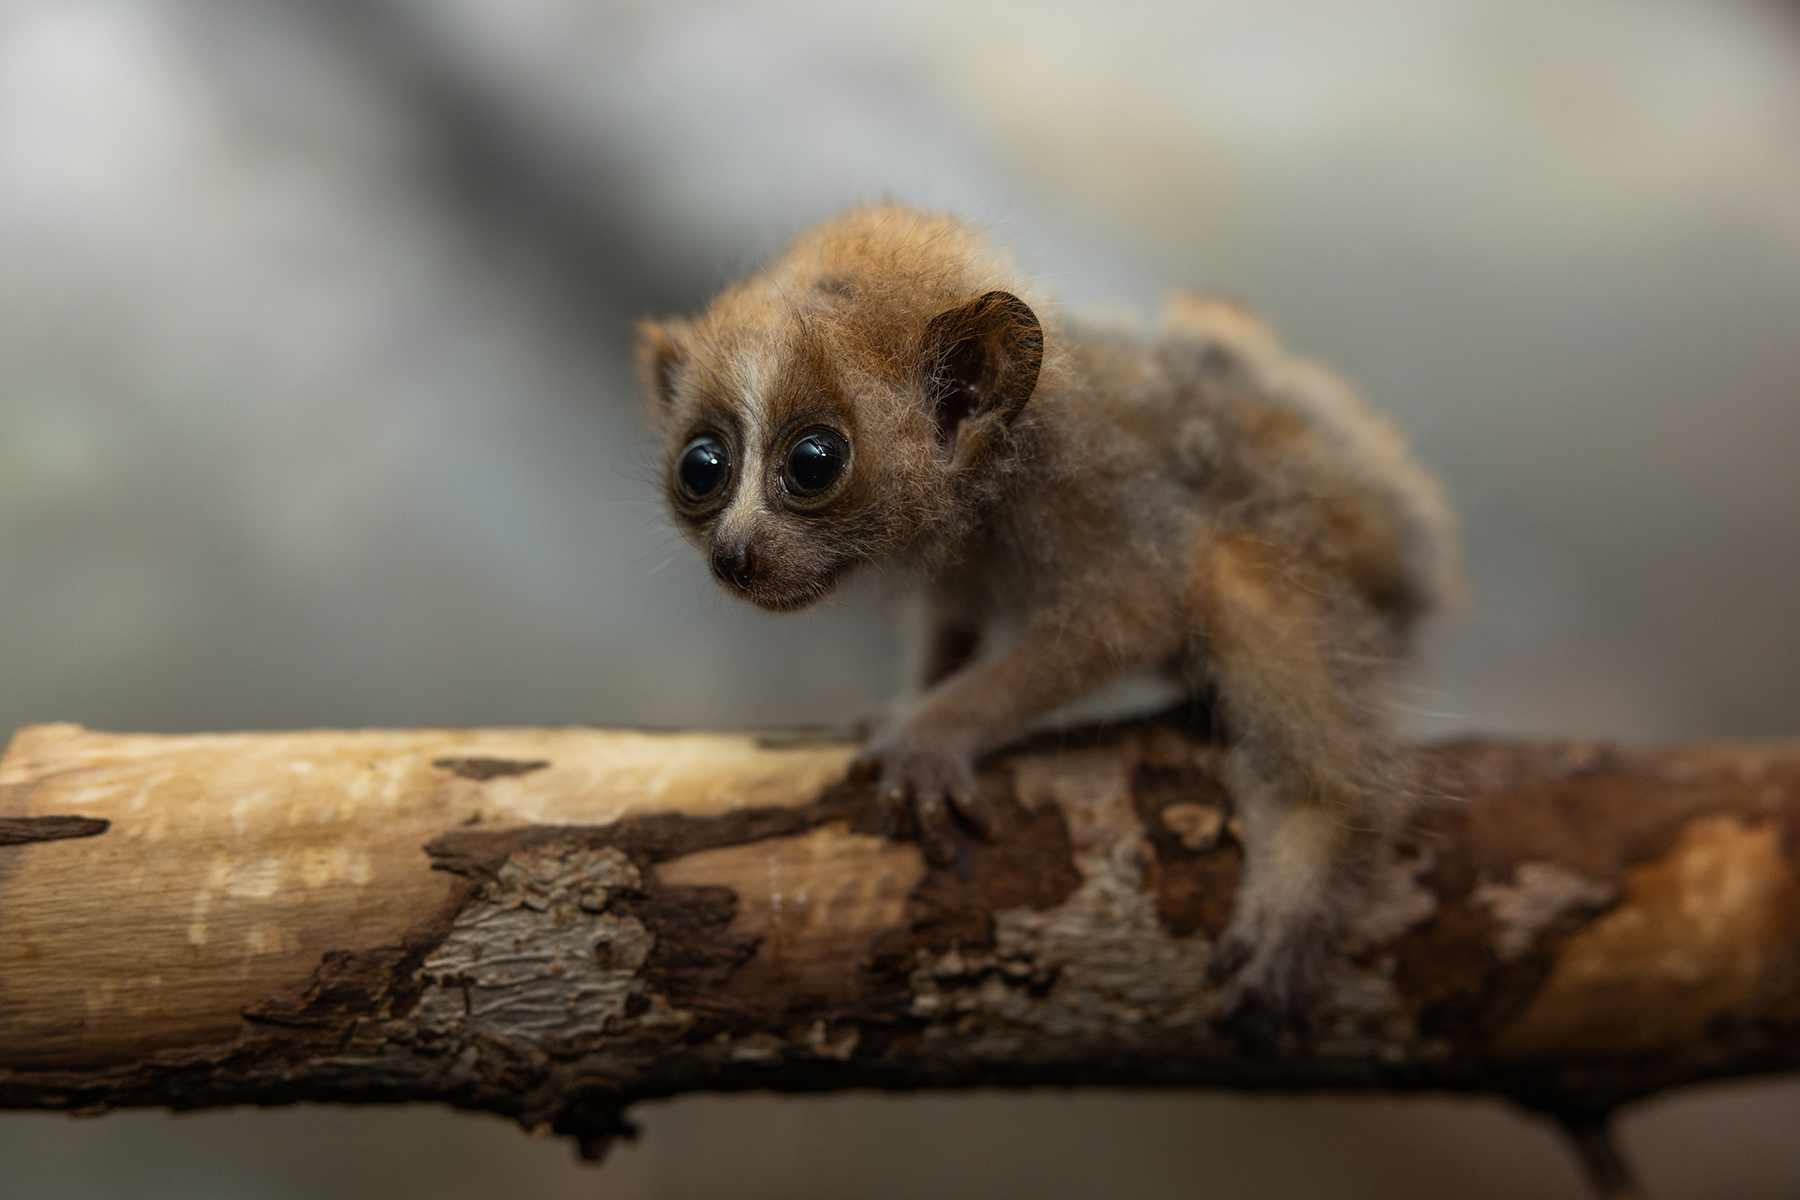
<point>661,349</point>
<point>984,358</point>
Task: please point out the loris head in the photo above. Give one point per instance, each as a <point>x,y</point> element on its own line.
<point>853,399</point>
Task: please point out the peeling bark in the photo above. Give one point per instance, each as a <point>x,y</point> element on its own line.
<point>552,924</point>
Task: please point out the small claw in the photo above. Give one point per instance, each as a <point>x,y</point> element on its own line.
<point>896,809</point>
<point>977,812</point>
<point>934,827</point>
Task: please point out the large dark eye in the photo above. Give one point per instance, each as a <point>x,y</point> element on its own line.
<point>815,463</point>
<point>705,465</point>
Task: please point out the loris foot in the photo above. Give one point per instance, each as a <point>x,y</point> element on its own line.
<point>920,787</point>
<point>1272,979</point>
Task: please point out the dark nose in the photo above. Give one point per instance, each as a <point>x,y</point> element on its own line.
<point>735,564</point>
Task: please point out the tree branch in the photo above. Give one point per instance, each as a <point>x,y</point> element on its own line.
<point>552,924</point>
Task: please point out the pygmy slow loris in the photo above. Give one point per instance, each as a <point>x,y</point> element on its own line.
<point>1194,502</point>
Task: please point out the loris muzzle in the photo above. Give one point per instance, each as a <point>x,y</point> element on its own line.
<point>1191,500</point>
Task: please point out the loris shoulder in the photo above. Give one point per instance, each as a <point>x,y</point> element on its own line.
<point>1195,502</point>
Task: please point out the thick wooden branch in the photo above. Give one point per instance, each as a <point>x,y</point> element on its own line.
<point>551,924</point>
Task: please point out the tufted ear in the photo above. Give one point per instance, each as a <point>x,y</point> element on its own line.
<point>661,349</point>
<point>983,360</point>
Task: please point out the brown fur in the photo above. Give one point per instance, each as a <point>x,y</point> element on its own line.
<point>1196,502</point>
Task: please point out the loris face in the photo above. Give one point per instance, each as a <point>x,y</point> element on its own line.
<point>799,447</point>
<point>766,467</point>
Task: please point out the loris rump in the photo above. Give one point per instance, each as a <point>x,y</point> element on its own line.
<point>1195,502</point>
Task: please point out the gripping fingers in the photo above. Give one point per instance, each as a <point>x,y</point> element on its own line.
<point>924,793</point>
<point>918,810</point>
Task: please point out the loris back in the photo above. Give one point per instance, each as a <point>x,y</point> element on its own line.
<point>1192,501</point>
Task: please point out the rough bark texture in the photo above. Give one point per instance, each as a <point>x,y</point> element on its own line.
<point>551,924</point>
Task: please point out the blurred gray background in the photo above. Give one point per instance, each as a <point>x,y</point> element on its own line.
<point>315,409</point>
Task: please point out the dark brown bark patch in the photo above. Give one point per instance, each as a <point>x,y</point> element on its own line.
<point>658,838</point>
<point>483,769</point>
<point>345,985</point>
<point>1027,864</point>
<point>696,953</point>
<point>1193,884</point>
<point>16,831</point>
<point>1599,809</point>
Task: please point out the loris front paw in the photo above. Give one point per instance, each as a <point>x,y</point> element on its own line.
<point>919,786</point>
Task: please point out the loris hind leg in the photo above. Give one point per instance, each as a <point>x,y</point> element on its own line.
<point>1308,770</point>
